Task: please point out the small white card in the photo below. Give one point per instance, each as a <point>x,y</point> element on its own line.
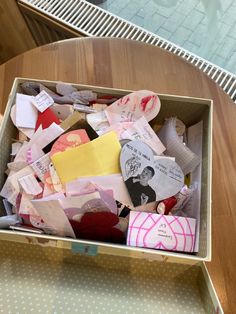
<point>42,101</point>
<point>30,185</point>
<point>41,166</point>
<point>26,113</point>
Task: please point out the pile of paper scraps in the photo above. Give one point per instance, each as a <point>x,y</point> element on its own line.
<point>88,165</point>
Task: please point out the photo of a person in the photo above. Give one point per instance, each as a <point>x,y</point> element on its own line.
<point>140,191</point>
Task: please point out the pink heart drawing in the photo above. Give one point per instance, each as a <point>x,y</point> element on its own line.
<point>162,232</point>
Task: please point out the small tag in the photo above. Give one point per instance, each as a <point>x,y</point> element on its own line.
<point>90,250</point>
<point>41,166</point>
<point>30,185</point>
<point>84,108</point>
<point>42,101</point>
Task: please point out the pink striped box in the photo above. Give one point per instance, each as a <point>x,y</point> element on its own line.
<point>169,233</point>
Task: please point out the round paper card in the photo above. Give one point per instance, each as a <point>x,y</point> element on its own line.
<point>146,179</point>
<point>69,140</point>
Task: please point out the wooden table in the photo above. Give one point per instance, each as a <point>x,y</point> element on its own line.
<point>133,65</point>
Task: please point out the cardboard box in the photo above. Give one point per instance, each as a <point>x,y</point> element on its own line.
<point>190,111</point>
<point>61,281</point>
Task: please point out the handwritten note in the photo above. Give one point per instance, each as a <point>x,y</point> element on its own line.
<point>133,106</point>
<point>41,166</point>
<point>141,130</point>
<point>30,185</point>
<point>42,101</point>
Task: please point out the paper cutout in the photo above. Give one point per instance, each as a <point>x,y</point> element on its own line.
<point>34,153</point>
<point>28,132</point>
<point>141,130</point>
<point>42,101</point>
<point>15,147</point>
<point>26,113</point>
<point>69,140</point>
<point>133,106</point>
<point>98,157</point>
<point>114,182</point>
<point>30,184</point>
<point>83,108</point>
<point>119,128</point>
<point>98,121</point>
<point>41,166</point>
<point>148,180</point>
<point>65,88</point>
<point>62,111</point>
<point>54,216</point>
<point>72,120</point>
<point>185,158</point>
<point>162,232</point>
<point>46,118</point>
<point>195,139</point>
<point>40,139</point>
<point>11,188</point>
<point>55,179</point>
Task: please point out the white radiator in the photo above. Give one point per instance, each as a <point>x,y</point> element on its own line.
<point>52,20</point>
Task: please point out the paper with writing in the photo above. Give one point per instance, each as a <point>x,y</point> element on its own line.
<point>141,130</point>
<point>11,187</point>
<point>54,216</point>
<point>42,101</point>
<point>133,106</point>
<point>161,232</point>
<point>30,185</point>
<point>146,179</point>
<point>98,157</point>
<point>41,166</point>
<point>40,139</point>
<point>26,113</point>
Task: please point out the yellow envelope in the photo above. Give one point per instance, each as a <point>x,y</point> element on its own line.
<point>96,158</point>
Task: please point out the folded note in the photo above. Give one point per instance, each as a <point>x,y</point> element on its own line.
<point>96,158</point>
<point>42,101</point>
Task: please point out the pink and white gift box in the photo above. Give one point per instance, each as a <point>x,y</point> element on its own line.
<point>172,233</point>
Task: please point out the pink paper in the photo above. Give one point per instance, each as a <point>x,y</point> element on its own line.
<point>133,106</point>
<point>161,232</point>
<point>141,130</point>
<point>69,140</point>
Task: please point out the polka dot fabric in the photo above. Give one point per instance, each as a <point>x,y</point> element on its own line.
<point>50,280</point>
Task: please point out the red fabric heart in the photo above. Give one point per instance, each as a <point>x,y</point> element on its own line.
<point>98,226</point>
<point>46,118</point>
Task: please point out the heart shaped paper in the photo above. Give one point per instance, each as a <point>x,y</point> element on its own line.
<point>134,106</point>
<point>148,179</point>
<point>161,232</point>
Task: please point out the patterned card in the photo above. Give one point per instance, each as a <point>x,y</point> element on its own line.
<point>161,232</point>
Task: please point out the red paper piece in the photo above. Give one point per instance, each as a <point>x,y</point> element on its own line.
<point>98,226</point>
<point>46,118</point>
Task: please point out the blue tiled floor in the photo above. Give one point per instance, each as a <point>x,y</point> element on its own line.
<point>205,27</point>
